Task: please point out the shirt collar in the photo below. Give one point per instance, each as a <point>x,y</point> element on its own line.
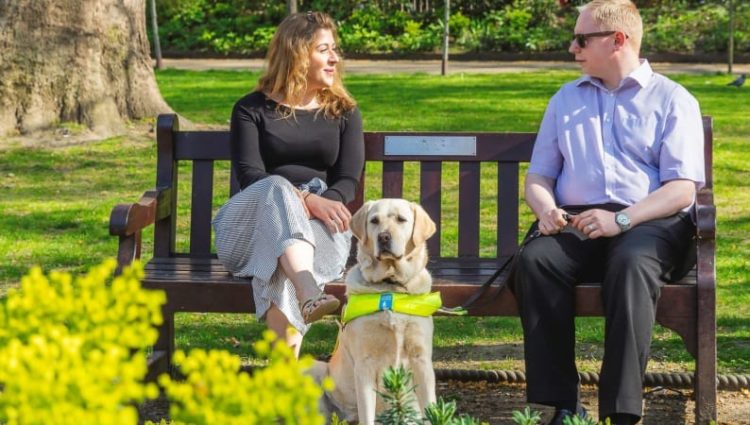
<point>641,76</point>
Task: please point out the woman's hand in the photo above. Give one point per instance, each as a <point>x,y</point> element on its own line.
<point>333,214</point>
<point>302,195</point>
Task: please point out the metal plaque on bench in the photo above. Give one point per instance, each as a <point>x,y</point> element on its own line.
<point>431,145</point>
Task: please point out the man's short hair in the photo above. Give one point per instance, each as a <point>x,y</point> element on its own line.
<point>618,15</point>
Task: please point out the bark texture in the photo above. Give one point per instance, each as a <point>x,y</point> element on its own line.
<point>83,61</point>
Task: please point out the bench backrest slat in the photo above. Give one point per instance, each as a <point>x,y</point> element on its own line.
<point>192,145</point>
<point>507,189</point>
<point>429,197</point>
<point>469,181</point>
<point>200,211</point>
<point>708,151</point>
<point>393,179</point>
<point>166,177</point>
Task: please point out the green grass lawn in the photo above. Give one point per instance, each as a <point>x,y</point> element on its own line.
<point>55,201</point>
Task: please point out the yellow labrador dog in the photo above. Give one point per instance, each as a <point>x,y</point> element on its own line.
<point>391,257</point>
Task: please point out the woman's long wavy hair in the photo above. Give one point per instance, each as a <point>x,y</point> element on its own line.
<point>288,62</point>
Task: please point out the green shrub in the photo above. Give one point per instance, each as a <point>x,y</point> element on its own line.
<point>703,29</point>
<point>418,39</point>
<point>684,32</point>
<point>73,350</point>
<point>525,25</point>
<point>246,26</point>
<point>227,26</point>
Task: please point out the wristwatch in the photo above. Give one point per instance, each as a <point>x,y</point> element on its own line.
<point>622,220</point>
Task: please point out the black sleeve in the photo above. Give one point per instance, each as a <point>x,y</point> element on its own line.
<point>344,176</point>
<point>244,139</point>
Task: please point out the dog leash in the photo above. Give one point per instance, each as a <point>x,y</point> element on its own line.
<point>508,264</point>
<point>479,293</point>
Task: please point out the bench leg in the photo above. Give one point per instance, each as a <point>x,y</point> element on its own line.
<point>164,347</point>
<point>705,365</point>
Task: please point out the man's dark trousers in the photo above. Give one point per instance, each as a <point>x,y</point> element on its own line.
<point>632,267</point>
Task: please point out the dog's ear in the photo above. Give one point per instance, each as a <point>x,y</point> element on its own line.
<point>424,227</point>
<point>358,223</point>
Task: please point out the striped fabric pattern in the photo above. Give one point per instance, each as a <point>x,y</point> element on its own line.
<point>255,227</point>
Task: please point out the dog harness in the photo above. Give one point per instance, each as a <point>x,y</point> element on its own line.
<point>416,305</point>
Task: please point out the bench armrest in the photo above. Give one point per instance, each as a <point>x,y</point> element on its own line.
<point>705,218</point>
<point>705,215</point>
<point>128,221</point>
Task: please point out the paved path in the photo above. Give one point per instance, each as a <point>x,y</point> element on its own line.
<point>356,66</point>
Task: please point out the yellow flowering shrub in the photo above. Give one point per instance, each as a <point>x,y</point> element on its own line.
<point>215,393</point>
<point>72,351</point>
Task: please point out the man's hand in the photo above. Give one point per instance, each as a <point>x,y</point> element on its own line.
<point>333,214</point>
<point>596,223</point>
<point>552,221</point>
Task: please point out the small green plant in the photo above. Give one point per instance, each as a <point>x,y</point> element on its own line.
<point>444,413</point>
<point>398,395</point>
<point>440,413</point>
<point>580,420</point>
<point>527,417</point>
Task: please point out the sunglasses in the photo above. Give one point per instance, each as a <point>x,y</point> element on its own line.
<point>581,38</point>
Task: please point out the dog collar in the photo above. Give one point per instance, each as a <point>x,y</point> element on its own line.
<point>416,305</point>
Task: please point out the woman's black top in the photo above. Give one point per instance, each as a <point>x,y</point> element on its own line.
<point>297,148</point>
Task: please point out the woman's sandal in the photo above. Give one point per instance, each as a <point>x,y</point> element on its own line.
<point>315,307</point>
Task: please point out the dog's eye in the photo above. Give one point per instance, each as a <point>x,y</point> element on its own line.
<point>374,220</point>
<point>401,219</point>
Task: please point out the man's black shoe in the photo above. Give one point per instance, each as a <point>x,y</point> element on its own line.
<point>561,414</point>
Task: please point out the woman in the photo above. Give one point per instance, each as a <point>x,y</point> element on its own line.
<point>298,153</point>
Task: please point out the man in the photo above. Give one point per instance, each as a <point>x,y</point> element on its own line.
<point>618,157</point>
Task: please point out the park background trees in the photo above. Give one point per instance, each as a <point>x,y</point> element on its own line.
<point>408,27</point>
<point>88,62</point>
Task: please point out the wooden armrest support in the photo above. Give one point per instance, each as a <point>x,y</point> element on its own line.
<point>705,216</point>
<point>127,219</point>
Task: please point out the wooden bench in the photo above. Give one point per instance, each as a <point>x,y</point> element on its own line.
<point>195,281</point>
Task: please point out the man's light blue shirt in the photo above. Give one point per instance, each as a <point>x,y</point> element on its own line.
<point>617,146</point>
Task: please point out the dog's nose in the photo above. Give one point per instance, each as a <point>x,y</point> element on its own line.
<point>384,238</point>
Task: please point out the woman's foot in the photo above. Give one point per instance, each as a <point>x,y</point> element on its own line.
<point>317,306</point>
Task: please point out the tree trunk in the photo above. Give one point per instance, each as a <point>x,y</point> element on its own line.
<point>291,7</point>
<point>84,61</point>
<point>155,34</point>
